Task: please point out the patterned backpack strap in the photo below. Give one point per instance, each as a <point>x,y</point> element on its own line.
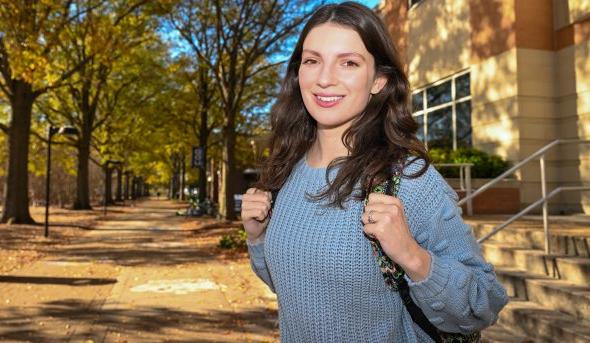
<point>392,273</point>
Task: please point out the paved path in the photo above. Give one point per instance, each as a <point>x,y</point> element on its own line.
<point>143,275</point>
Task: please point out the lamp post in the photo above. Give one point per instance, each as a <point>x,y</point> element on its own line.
<point>53,130</point>
<point>106,184</point>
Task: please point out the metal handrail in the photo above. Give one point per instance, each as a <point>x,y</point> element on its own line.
<point>531,207</point>
<point>544,198</point>
<point>464,180</point>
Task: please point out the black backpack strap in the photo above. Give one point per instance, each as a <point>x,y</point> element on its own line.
<point>394,276</point>
<point>392,272</point>
<point>416,313</point>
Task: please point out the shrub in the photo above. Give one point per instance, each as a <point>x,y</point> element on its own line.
<point>234,240</point>
<point>484,164</point>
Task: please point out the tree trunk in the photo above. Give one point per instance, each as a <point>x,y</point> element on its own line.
<point>119,195</point>
<point>108,196</point>
<point>182,176</point>
<point>82,201</point>
<point>135,193</point>
<point>126,194</point>
<point>228,171</point>
<point>16,194</point>
<point>203,133</point>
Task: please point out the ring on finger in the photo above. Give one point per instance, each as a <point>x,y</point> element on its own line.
<point>371,219</point>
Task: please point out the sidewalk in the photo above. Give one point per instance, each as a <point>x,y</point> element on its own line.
<point>142,275</point>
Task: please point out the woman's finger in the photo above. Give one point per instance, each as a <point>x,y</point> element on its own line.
<point>258,214</point>
<point>383,199</point>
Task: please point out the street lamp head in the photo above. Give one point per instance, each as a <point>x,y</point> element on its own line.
<point>63,130</point>
<point>68,130</point>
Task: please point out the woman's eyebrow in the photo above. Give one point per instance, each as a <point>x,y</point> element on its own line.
<point>344,54</point>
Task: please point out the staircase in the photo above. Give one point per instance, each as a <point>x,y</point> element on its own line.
<point>550,293</point>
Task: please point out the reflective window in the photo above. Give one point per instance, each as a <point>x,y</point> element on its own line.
<point>418,101</point>
<point>463,112</point>
<point>440,128</point>
<point>445,120</point>
<point>462,86</point>
<point>420,121</point>
<point>440,94</point>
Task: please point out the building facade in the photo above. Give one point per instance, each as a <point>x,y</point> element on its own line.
<point>505,76</point>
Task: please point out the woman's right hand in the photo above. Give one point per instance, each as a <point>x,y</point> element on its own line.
<point>256,206</point>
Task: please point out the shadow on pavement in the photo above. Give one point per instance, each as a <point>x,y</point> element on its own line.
<point>151,323</point>
<point>45,280</point>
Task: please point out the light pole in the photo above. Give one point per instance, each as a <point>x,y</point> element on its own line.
<point>53,130</point>
<point>106,183</point>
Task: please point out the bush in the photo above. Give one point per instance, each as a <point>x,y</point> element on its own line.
<point>484,164</point>
<point>234,240</point>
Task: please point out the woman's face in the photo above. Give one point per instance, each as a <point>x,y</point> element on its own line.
<point>336,75</point>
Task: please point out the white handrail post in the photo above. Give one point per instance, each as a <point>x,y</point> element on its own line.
<point>545,201</point>
<point>468,191</point>
<point>461,178</point>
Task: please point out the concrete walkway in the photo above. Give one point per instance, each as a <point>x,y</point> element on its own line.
<point>143,275</point>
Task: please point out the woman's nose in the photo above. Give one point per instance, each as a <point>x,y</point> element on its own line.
<point>327,76</point>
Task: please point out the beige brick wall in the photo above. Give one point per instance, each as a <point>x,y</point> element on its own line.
<point>494,105</point>
<point>527,90</point>
<point>582,70</point>
<point>439,47</point>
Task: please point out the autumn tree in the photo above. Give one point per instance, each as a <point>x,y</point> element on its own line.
<point>29,38</point>
<point>234,40</point>
<point>104,37</point>
<point>31,43</point>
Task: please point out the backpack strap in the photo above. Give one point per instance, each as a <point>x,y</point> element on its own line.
<point>393,274</point>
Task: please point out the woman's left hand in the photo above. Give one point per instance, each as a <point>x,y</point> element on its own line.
<point>384,219</point>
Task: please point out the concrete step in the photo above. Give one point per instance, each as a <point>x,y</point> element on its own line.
<point>553,294</point>
<point>570,268</point>
<point>540,324</point>
<point>564,239</point>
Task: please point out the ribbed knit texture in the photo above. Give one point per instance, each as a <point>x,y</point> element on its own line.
<point>327,282</point>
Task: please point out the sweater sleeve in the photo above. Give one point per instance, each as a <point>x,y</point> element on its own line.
<point>258,262</point>
<point>461,294</point>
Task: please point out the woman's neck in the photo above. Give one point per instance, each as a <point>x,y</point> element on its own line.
<point>327,146</point>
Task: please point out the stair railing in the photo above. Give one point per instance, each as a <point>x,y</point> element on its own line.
<point>464,180</point>
<point>544,200</point>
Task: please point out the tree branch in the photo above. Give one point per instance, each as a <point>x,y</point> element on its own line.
<point>4,128</point>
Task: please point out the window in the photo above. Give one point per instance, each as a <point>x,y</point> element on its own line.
<point>443,112</point>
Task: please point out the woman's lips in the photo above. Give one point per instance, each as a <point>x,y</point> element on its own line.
<point>327,101</point>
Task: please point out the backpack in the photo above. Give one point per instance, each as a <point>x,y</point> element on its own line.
<point>393,275</point>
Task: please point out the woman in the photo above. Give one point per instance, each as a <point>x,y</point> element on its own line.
<point>340,123</point>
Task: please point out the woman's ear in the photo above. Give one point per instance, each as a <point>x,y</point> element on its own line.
<point>378,84</point>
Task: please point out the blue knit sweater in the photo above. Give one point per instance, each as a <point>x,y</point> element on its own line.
<point>329,287</point>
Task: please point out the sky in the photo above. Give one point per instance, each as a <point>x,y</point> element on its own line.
<point>368,3</point>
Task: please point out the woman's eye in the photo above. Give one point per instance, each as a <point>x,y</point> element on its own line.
<point>351,64</point>
<point>308,61</point>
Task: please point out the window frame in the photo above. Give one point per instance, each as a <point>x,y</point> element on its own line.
<point>453,104</point>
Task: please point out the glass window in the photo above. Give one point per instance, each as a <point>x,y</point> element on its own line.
<point>463,113</point>
<point>440,94</point>
<point>420,121</point>
<point>418,101</point>
<point>462,86</point>
<point>450,124</point>
<point>440,128</point>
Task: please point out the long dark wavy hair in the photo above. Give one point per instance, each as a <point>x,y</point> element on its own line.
<point>383,134</point>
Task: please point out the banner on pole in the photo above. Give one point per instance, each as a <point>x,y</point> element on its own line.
<point>197,158</point>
